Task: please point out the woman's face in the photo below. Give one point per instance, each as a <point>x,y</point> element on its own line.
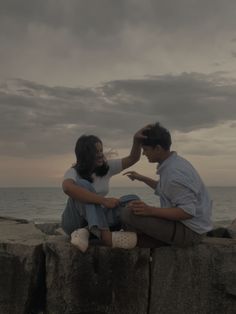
<point>99,155</point>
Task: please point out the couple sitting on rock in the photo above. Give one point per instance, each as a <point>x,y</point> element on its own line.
<point>183,217</point>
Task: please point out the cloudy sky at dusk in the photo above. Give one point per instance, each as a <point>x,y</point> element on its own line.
<point>108,67</point>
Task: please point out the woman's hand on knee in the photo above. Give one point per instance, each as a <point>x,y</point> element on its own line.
<point>110,202</point>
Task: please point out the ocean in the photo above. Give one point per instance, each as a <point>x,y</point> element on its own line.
<point>47,204</point>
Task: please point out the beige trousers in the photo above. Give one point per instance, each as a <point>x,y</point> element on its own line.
<point>155,232</point>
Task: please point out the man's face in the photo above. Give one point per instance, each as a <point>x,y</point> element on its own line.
<point>151,153</point>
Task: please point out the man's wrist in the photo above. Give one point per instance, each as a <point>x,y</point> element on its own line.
<point>153,211</point>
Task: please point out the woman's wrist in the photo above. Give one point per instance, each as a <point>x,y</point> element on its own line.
<point>102,200</point>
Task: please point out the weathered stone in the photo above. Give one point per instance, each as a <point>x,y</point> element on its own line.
<point>102,280</point>
<point>232,229</point>
<point>219,232</point>
<point>21,267</point>
<point>48,228</point>
<point>19,220</point>
<point>195,280</point>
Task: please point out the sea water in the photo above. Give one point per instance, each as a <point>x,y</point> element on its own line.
<point>47,204</point>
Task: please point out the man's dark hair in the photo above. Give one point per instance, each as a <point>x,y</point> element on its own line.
<point>85,151</point>
<point>157,135</point>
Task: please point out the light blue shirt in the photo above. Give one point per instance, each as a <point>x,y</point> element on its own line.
<point>181,186</point>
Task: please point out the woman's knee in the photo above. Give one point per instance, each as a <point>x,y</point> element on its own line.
<point>125,199</point>
<point>86,184</point>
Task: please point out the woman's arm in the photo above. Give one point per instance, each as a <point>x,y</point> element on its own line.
<point>134,155</point>
<point>133,175</point>
<point>135,152</point>
<point>83,195</point>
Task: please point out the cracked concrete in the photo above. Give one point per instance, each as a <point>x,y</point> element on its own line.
<point>43,273</point>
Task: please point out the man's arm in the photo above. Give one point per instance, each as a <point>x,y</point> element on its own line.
<point>133,175</point>
<point>173,213</point>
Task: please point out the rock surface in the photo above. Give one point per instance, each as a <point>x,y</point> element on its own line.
<point>197,280</point>
<point>232,229</point>
<point>21,267</point>
<point>100,281</point>
<point>44,273</point>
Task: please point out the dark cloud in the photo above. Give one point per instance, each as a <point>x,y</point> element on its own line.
<point>41,120</point>
<point>216,64</point>
<point>87,20</point>
<point>65,42</point>
<point>98,23</point>
<point>193,15</point>
<point>185,102</point>
<point>233,53</point>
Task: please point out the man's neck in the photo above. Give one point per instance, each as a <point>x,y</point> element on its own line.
<point>165,155</point>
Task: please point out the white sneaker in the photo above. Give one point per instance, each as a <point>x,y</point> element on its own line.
<point>80,238</point>
<point>124,239</point>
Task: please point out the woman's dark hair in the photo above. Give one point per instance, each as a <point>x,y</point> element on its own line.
<point>157,135</point>
<point>85,151</point>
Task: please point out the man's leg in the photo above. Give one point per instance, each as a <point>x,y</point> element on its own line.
<point>145,241</point>
<point>162,230</point>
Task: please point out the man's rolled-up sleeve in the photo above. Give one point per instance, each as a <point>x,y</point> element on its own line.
<point>183,197</point>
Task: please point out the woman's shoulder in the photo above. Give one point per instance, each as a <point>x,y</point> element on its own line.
<point>112,162</point>
<point>71,173</point>
<point>115,166</point>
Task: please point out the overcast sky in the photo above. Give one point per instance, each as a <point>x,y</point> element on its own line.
<point>108,67</point>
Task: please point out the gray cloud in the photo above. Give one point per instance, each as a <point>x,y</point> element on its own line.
<point>87,42</point>
<point>83,16</point>
<point>99,23</point>
<point>87,20</point>
<point>185,102</point>
<point>40,120</point>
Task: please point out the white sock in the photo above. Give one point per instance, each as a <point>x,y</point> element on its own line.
<point>80,238</point>
<point>124,239</point>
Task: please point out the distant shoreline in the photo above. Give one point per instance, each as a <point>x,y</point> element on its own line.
<point>112,187</point>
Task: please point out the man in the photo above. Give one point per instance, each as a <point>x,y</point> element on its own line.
<point>185,211</point>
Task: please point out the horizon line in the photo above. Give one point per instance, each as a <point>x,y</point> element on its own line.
<point>117,186</point>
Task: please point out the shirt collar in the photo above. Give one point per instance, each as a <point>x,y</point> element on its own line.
<point>166,162</point>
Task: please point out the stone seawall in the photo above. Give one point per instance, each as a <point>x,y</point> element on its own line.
<point>43,273</point>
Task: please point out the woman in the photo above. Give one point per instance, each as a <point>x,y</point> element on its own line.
<point>87,183</point>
